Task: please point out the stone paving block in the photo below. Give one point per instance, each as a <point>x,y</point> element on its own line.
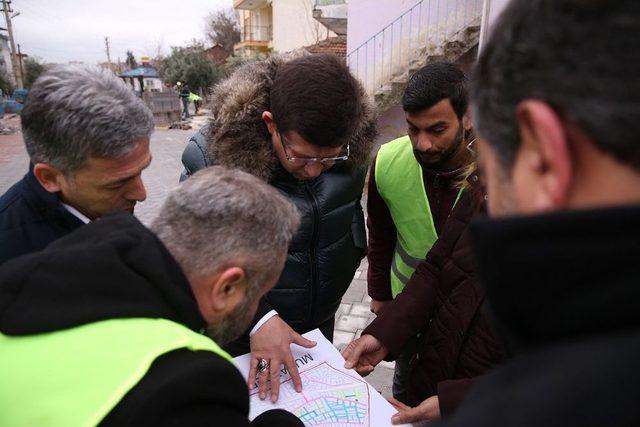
<point>343,309</point>
<point>381,379</point>
<point>388,365</point>
<point>341,339</point>
<point>366,299</point>
<point>351,323</point>
<point>360,309</point>
<point>355,293</point>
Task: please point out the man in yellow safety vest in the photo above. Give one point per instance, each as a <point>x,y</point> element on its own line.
<point>413,186</point>
<point>120,325</point>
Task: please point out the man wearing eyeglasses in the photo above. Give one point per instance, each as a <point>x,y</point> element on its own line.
<point>304,125</point>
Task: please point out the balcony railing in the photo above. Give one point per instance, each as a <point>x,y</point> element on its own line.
<point>418,32</point>
<point>256,33</point>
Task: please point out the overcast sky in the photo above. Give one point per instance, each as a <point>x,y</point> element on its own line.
<point>73,30</point>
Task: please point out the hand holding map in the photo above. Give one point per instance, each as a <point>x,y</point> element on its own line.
<point>332,395</point>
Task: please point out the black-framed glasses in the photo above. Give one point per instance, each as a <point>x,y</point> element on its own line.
<point>324,161</point>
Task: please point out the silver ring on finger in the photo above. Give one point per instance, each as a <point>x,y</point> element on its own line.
<point>263,366</point>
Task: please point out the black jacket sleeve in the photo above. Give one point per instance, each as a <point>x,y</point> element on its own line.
<point>193,156</point>
<point>191,388</point>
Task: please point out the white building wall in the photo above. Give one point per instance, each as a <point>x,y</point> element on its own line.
<point>492,9</point>
<point>294,26</point>
<point>368,17</point>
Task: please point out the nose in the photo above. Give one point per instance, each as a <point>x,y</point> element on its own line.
<point>424,143</point>
<point>137,192</point>
<point>313,169</point>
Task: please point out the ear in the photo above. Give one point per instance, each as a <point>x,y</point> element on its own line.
<point>49,177</point>
<point>466,121</point>
<point>228,290</point>
<point>545,152</point>
<point>267,118</point>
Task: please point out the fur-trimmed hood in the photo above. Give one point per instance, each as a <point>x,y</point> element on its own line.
<point>238,138</point>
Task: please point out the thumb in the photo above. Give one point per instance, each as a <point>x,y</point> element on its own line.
<point>352,354</point>
<point>302,341</point>
<point>409,415</point>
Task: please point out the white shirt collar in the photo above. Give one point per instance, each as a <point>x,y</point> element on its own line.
<point>73,211</point>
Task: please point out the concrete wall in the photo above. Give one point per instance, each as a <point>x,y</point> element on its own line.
<point>294,25</point>
<point>492,9</point>
<point>367,17</point>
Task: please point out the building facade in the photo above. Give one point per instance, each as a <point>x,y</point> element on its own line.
<point>277,26</point>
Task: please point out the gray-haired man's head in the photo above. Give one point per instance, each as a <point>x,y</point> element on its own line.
<point>87,135</point>
<point>229,231</point>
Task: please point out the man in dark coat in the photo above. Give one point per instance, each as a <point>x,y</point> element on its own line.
<point>442,304</point>
<point>305,126</point>
<point>86,157</point>
<point>105,326</point>
<point>557,106</point>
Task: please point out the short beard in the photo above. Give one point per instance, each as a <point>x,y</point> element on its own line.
<point>233,325</point>
<point>446,155</point>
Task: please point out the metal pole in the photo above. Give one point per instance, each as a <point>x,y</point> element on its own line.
<point>366,63</point>
<point>391,58</point>
<point>375,54</point>
<point>20,60</point>
<point>106,43</point>
<point>14,60</point>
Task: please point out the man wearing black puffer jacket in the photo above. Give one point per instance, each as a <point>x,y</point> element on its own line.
<point>305,126</point>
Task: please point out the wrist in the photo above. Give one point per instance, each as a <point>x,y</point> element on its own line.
<point>262,321</point>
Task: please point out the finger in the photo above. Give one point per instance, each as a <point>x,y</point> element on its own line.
<point>262,383</point>
<point>253,368</point>
<point>364,370</point>
<point>397,404</point>
<point>352,353</point>
<point>275,380</point>
<point>302,341</point>
<point>410,415</point>
<point>290,364</point>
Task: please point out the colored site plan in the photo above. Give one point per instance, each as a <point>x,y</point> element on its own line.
<point>329,398</point>
<point>331,395</point>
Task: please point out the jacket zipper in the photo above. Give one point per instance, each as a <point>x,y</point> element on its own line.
<point>312,248</point>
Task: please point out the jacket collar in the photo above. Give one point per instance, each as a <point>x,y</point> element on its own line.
<point>47,204</point>
<point>561,276</point>
<point>238,138</point>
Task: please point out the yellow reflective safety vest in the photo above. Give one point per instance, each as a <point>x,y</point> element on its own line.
<point>75,377</point>
<point>399,181</point>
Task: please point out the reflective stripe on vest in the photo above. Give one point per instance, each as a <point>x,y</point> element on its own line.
<point>400,183</point>
<point>76,376</point>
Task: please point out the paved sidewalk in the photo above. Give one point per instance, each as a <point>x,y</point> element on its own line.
<point>163,174</point>
<point>352,317</point>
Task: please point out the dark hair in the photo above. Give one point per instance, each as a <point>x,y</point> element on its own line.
<point>317,97</point>
<point>433,83</point>
<point>579,56</point>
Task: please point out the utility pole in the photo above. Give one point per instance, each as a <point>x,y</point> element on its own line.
<point>14,60</point>
<point>106,43</point>
<point>20,61</point>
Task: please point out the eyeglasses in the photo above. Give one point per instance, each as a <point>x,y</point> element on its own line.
<point>471,146</point>
<point>324,161</point>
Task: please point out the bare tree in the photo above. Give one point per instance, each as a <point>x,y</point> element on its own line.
<point>317,29</point>
<point>222,28</point>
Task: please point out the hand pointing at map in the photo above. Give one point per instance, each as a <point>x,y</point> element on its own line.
<point>364,354</point>
<point>272,343</point>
